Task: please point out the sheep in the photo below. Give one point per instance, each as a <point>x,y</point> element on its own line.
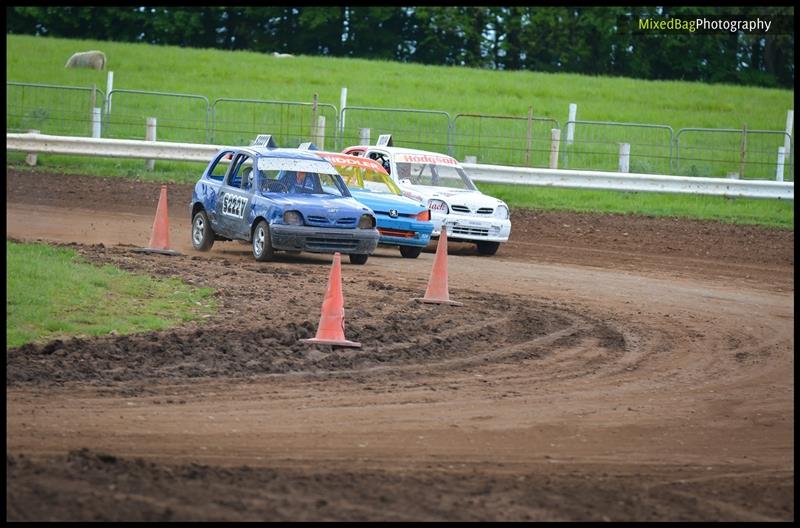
<point>87,59</point>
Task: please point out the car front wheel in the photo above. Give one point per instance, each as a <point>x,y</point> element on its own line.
<point>262,246</point>
<point>202,235</point>
<point>410,251</point>
<point>488,248</point>
<point>358,258</point>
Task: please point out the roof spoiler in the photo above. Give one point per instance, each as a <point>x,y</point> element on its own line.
<point>264,140</point>
<point>384,140</point>
<point>307,146</point>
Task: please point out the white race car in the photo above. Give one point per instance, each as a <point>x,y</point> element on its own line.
<point>441,182</point>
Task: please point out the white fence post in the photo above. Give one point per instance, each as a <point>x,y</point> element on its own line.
<point>342,105</point>
<point>314,122</point>
<point>150,135</point>
<point>624,157</point>
<point>555,139</point>
<point>787,142</point>
<point>529,136</point>
<point>109,88</point>
<point>31,157</point>
<point>789,126</point>
<point>573,112</point>
<point>363,136</point>
<point>319,138</point>
<point>781,161</point>
<point>96,121</point>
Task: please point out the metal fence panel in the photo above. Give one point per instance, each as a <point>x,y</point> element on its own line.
<point>502,140</point>
<point>179,117</point>
<point>239,121</point>
<point>51,109</point>
<point>491,139</point>
<point>730,152</point>
<point>420,129</point>
<point>595,145</point>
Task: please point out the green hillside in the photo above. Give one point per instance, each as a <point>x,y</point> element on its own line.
<point>215,73</point>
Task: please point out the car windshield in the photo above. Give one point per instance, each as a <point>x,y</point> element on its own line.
<point>434,175</point>
<point>300,182</point>
<point>365,179</point>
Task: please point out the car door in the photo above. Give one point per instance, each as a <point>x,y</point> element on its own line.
<point>211,183</point>
<point>235,198</point>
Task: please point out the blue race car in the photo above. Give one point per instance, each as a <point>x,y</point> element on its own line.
<point>402,221</point>
<point>279,199</point>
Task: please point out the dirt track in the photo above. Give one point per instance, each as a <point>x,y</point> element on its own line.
<point>602,368</point>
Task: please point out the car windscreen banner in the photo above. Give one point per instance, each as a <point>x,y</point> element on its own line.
<point>426,158</point>
<point>300,165</point>
<point>352,161</point>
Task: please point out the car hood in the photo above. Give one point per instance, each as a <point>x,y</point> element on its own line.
<point>333,207</point>
<point>384,202</point>
<point>471,199</point>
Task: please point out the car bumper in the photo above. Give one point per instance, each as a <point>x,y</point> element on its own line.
<point>324,240</point>
<point>404,232</point>
<point>473,229</point>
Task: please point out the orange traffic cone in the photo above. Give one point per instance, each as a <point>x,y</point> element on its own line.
<point>159,239</point>
<point>437,292</point>
<point>331,322</point>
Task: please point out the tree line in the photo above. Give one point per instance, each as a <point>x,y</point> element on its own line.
<point>585,40</point>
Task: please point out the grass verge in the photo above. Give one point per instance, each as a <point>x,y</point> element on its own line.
<point>52,293</point>
<point>770,213</point>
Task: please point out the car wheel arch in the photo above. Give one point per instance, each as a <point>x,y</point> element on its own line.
<point>196,208</point>
<point>255,222</point>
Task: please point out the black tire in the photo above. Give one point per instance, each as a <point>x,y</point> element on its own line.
<point>410,251</point>
<point>488,248</point>
<point>358,258</point>
<point>202,234</point>
<point>261,243</point>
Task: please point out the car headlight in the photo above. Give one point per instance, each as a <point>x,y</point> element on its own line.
<point>424,216</point>
<point>501,211</point>
<point>366,222</point>
<point>439,206</point>
<point>292,218</point>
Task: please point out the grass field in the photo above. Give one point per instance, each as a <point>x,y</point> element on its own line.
<point>770,213</point>
<point>240,74</point>
<point>247,75</point>
<point>51,293</point>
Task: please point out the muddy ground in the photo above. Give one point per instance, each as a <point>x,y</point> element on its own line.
<point>603,367</point>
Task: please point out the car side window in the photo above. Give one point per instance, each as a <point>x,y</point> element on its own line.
<point>383,159</point>
<point>403,171</point>
<point>242,175</point>
<point>220,167</point>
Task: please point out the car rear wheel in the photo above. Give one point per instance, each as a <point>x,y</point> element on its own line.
<point>488,248</point>
<point>358,258</point>
<point>202,235</point>
<point>410,251</point>
<point>262,246</point>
